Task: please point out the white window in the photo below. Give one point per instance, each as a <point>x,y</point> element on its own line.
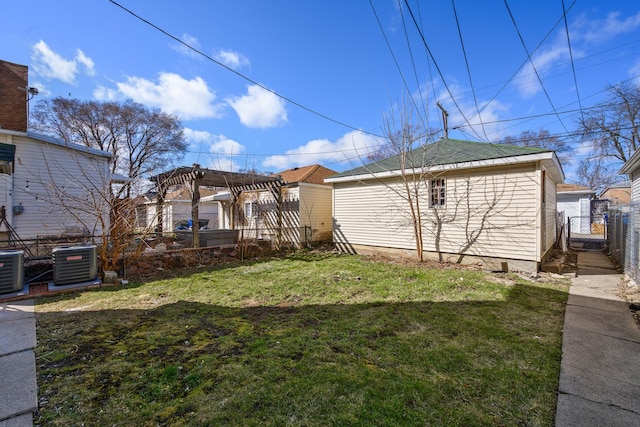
<point>250,209</point>
<point>438,192</point>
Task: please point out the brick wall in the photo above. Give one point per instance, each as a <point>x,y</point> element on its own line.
<point>13,101</point>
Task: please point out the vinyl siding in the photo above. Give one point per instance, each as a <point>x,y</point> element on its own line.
<point>551,209</point>
<point>316,210</point>
<point>489,212</point>
<point>635,187</point>
<point>178,210</point>
<point>61,190</point>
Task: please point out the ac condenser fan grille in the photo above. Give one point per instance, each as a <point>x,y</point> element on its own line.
<point>11,271</point>
<point>74,264</point>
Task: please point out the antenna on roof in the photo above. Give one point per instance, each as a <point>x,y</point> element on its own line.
<point>445,115</point>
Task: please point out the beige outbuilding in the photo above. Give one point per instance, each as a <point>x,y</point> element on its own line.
<point>472,202</point>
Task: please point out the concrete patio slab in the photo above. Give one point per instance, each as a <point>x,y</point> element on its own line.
<point>574,411</point>
<point>18,335</point>
<point>16,310</point>
<point>18,394</point>
<point>599,377</point>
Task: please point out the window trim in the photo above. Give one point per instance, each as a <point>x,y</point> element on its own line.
<point>437,193</point>
<point>250,209</point>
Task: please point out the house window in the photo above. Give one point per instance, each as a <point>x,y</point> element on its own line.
<point>6,167</point>
<point>438,192</point>
<point>250,209</point>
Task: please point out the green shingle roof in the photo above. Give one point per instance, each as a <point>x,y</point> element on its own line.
<point>444,152</point>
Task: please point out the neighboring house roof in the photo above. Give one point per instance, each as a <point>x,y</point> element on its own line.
<point>574,188</point>
<point>453,153</point>
<point>619,193</point>
<point>314,174</point>
<point>625,185</point>
<point>53,141</point>
<point>76,147</point>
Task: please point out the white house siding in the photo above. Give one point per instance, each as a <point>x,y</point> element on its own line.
<point>499,204</point>
<point>152,217</point>
<point>316,211</point>
<point>290,221</point>
<point>60,189</point>
<point>569,204</point>
<point>577,210</point>
<point>551,210</point>
<point>179,210</point>
<point>635,187</point>
<point>585,216</point>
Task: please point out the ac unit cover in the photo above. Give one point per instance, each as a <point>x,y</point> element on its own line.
<point>74,264</point>
<point>11,271</point>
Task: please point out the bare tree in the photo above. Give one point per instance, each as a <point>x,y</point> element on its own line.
<point>141,140</point>
<point>446,210</point>
<point>541,139</point>
<point>403,135</point>
<point>73,192</point>
<point>611,129</point>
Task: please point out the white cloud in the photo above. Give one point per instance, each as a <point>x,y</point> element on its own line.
<point>222,150</point>
<point>634,71</point>
<point>102,93</point>
<point>222,145</point>
<point>527,80</point>
<point>350,148</point>
<point>51,66</point>
<point>231,59</point>
<point>196,137</point>
<point>584,33</point>
<point>602,30</point>
<point>173,94</point>
<point>259,108</point>
<point>184,50</point>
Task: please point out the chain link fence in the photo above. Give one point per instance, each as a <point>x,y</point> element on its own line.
<point>624,238</point>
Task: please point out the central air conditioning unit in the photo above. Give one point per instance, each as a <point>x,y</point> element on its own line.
<point>11,271</point>
<point>74,264</point>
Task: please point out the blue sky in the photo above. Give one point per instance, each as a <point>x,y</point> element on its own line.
<point>333,69</point>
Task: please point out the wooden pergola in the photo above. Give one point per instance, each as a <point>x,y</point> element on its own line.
<point>195,176</point>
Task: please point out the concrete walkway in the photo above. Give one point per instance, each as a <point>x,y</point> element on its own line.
<point>18,388</point>
<point>600,369</point>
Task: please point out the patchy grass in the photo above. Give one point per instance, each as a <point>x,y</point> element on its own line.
<point>307,340</point>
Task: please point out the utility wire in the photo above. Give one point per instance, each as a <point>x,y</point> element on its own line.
<point>424,41</point>
<point>466,61</point>
<point>530,59</point>
<point>386,39</point>
<point>573,66</point>
<point>413,64</point>
<point>513,76</point>
<point>430,72</point>
<point>250,80</point>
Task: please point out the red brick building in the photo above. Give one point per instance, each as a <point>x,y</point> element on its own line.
<point>13,96</point>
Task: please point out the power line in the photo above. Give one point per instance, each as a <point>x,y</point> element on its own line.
<point>530,59</point>
<point>386,39</point>
<point>444,82</point>
<point>466,61</point>
<point>573,66</point>
<point>513,76</point>
<point>250,80</point>
<point>413,64</point>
